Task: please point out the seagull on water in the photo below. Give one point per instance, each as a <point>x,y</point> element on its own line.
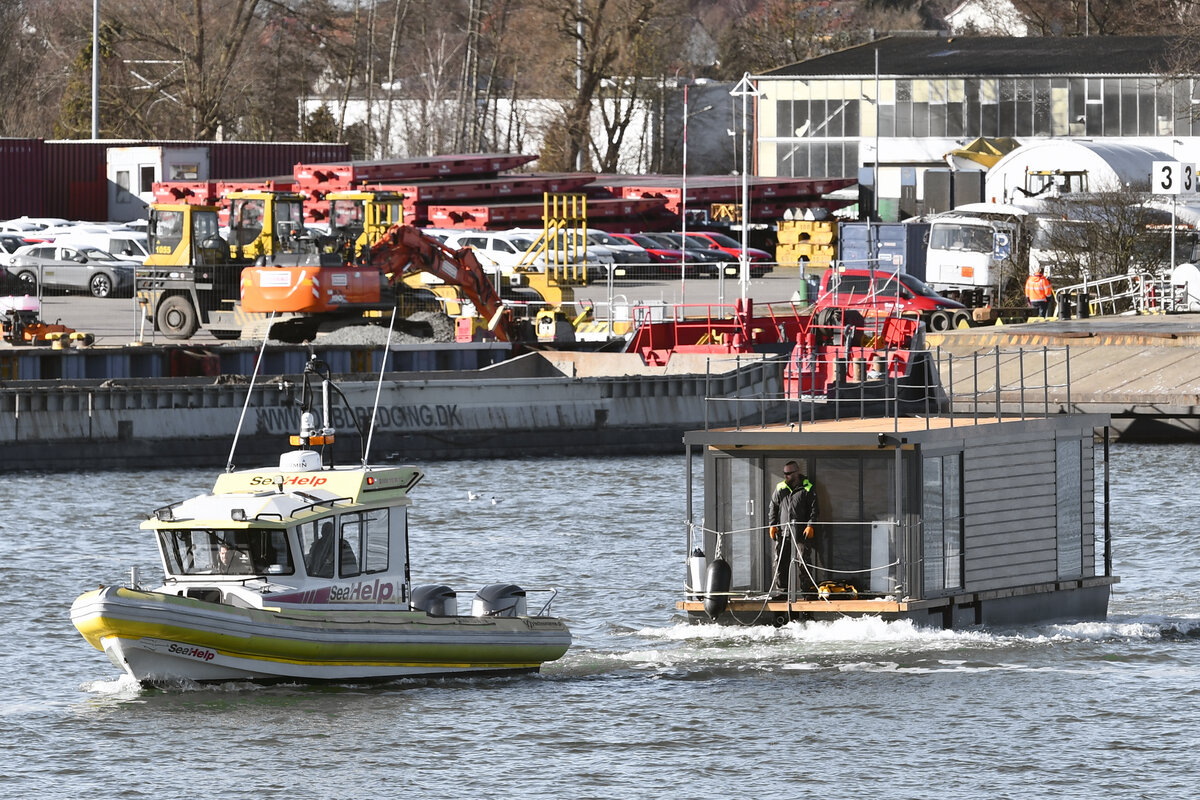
<point>471,496</point>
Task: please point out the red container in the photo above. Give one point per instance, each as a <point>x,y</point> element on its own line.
<point>21,164</point>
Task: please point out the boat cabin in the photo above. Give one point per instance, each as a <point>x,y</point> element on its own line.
<point>330,536</point>
<point>944,521</point>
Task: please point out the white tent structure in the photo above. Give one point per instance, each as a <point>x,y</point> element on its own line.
<point>1057,166</point>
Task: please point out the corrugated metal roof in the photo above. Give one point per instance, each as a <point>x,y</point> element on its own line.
<point>992,55</point>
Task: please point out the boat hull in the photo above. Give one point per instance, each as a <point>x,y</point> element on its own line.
<point>159,638</point>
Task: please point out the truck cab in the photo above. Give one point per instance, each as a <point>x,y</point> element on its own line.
<point>969,251</point>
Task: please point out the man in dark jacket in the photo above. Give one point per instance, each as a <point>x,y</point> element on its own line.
<point>791,515</point>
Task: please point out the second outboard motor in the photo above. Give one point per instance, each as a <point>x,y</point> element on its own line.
<point>499,600</point>
<point>717,583</point>
<point>435,599</point>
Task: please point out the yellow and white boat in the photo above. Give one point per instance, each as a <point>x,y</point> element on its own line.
<point>301,572</point>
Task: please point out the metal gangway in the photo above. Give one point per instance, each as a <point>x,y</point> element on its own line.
<point>1131,293</point>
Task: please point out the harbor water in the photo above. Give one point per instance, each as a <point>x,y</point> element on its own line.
<point>644,704</point>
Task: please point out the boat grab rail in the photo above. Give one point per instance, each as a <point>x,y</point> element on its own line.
<point>544,611</point>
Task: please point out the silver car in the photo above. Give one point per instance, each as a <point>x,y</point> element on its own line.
<point>71,268</point>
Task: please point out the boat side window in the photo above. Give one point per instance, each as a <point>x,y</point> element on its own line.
<point>364,546</point>
<point>217,551</point>
<point>316,543</point>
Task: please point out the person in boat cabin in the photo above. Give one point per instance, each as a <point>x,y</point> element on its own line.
<point>230,561</point>
<point>790,517</point>
<point>319,561</point>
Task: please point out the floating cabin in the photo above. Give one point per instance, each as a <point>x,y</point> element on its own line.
<point>945,521</point>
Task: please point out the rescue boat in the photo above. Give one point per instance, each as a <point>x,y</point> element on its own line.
<point>301,572</point>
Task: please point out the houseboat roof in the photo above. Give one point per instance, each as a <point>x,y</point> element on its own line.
<point>876,432</point>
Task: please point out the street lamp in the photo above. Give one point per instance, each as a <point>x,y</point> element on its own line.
<point>744,89</point>
<point>683,191</point>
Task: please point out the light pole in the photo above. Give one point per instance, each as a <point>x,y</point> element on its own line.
<point>743,90</point>
<point>95,69</point>
<point>683,192</point>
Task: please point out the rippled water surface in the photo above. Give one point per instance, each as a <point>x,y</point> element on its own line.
<point>643,705</point>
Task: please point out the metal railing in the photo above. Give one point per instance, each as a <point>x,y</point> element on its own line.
<point>1132,293</point>
<point>879,575</point>
<point>925,384</point>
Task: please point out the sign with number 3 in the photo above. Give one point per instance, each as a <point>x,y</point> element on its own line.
<point>1173,177</point>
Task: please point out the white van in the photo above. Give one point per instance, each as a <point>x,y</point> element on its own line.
<point>124,244</point>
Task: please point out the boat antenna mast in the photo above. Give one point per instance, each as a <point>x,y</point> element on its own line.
<point>249,393</point>
<point>309,433</point>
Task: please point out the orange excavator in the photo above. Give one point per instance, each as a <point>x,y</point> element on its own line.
<point>403,250</point>
<point>316,292</point>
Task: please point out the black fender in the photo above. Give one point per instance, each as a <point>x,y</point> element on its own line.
<point>717,582</point>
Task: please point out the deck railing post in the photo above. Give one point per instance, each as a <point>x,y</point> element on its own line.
<point>998,415</point>
<point>1067,349</point>
<point>1021,378</point>
<point>975,389</point>
<point>707,394</point>
<point>1045,381</point>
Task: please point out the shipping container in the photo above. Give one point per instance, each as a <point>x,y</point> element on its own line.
<point>21,165</point>
<point>76,185</point>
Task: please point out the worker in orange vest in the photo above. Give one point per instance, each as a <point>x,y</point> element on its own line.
<point>1039,290</point>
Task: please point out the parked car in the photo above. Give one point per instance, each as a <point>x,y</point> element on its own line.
<point>597,256</point>
<point>664,261</point>
<point>495,251</point>
<point>709,262</point>
<point>760,260</point>
<point>71,268</point>
<point>127,245</point>
<point>9,242</point>
<point>626,253</point>
<point>876,292</point>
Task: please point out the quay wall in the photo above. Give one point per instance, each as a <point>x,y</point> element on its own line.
<point>520,407</point>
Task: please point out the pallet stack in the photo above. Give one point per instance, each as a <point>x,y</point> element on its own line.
<point>811,244</point>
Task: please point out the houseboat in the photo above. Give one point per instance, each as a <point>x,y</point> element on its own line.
<point>946,520</point>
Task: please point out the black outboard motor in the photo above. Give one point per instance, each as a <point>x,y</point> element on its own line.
<point>499,600</point>
<point>716,585</point>
<point>435,599</point>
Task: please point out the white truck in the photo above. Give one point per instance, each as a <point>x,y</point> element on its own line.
<point>980,251</point>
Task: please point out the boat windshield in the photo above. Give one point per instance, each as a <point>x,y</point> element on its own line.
<point>217,551</point>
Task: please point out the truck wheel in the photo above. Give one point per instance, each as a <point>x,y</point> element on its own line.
<point>960,317</point>
<point>100,285</point>
<point>939,321</point>
<point>176,318</point>
<point>30,281</point>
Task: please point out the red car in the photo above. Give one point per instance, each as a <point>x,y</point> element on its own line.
<point>760,260</point>
<point>664,260</point>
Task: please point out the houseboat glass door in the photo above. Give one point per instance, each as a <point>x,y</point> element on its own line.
<point>1069,496</point>
<point>942,531</point>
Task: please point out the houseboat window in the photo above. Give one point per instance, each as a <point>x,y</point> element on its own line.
<point>942,534</point>
<point>365,535</point>
<point>1069,491</point>
<point>215,551</point>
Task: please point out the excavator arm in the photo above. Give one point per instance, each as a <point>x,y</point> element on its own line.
<point>403,250</point>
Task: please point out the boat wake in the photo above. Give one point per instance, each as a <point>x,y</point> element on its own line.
<point>871,644</point>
